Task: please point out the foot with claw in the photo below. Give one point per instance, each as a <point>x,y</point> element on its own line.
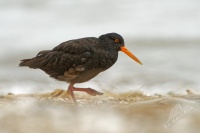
<point>90,91</point>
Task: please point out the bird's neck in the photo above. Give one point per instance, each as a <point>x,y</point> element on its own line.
<point>107,58</point>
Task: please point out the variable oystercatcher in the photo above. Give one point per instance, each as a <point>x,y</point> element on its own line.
<point>79,60</point>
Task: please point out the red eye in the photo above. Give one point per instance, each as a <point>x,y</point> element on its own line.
<point>116,40</point>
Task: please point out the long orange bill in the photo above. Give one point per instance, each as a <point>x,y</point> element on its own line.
<point>126,51</point>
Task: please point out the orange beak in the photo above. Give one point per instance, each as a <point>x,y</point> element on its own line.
<point>126,51</point>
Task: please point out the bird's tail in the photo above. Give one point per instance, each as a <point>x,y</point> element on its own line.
<point>24,62</point>
<point>32,63</point>
<point>36,62</point>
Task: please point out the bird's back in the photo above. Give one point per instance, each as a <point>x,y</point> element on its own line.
<point>73,61</point>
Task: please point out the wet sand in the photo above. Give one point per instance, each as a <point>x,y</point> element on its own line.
<point>110,113</point>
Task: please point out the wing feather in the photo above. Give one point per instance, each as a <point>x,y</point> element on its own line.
<point>73,54</point>
<point>68,55</point>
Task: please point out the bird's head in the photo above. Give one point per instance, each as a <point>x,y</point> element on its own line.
<point>117,43</point>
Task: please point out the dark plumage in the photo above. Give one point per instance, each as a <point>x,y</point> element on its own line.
<point>77,61</point>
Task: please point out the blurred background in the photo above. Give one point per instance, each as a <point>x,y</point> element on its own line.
<point>164,35</point>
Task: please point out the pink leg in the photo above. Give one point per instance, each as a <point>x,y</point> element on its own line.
<point>89,91</point>
<point>71,92</point>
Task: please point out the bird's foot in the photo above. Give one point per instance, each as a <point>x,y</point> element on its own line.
<point>90,91</point>
<point>58,93</point>
<point>55,96</point>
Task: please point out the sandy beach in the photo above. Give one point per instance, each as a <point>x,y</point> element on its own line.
<point>109,113</point>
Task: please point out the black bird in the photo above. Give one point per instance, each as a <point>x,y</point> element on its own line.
<point>79,60</point>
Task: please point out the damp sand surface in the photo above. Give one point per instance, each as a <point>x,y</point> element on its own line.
<point>110,113</point>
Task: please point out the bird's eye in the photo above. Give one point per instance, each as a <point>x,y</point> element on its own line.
<point>116,40</point>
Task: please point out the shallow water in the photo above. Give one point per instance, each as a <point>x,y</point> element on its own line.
<point>172,67</point>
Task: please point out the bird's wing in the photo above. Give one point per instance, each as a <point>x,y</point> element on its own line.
<point>70,56</point>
